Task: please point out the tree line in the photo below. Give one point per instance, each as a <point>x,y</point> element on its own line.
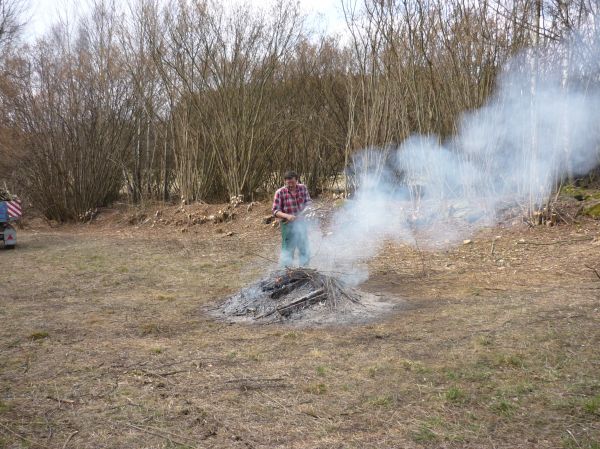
<point>191,100</point>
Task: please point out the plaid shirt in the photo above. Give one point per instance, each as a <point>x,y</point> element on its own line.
<point>291,203</point>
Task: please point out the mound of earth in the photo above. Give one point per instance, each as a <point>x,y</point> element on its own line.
<point>301,295</point>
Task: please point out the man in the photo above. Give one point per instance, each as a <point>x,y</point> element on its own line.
<point>288,204</point>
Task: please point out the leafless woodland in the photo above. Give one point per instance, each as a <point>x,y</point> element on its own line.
<point>191,101</point>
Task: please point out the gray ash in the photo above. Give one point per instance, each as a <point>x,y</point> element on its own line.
<point>299,294</point>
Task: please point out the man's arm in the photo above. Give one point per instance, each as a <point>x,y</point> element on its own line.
<point>284,216</point>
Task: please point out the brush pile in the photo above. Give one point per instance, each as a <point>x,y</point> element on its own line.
<point>5,195</point>
<point>295,294</point>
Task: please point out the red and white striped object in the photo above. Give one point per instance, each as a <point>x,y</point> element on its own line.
<point>14,209</point>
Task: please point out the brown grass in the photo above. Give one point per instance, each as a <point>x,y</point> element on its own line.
<point>490,350</point>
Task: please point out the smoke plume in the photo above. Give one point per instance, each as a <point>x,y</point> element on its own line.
<point>542,125</point>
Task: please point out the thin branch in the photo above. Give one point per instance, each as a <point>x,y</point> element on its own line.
<point>69,438</point>
<point>594,270</point>
<point>159,433</point>
<point>558,242</point>
<point>34,443</point>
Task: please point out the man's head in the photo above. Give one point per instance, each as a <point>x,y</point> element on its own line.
<point>291,179</point>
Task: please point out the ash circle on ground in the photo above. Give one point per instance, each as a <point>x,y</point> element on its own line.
<point>301,296</point>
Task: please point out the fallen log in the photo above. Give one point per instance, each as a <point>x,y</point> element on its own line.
<point>310,299</point>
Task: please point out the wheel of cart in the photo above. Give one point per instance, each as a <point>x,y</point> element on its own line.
<point>10,212</point>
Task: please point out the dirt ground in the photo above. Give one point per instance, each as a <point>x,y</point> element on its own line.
<point>105,341</point>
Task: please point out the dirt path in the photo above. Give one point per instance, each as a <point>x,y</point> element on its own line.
<point>104,343</point>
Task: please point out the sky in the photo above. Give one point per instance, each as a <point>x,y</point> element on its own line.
<point>322,14</point>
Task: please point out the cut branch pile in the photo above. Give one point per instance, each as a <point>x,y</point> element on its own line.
<point>290,293</point>
<point>5,195</point>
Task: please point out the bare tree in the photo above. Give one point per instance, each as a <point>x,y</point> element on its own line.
<point>11,25</point>
<point>249,48</point>
<point>11,22</point>
<point>173,38</point>
<point>75,108</point>
<point>146,171</point>
<point>310,96</point>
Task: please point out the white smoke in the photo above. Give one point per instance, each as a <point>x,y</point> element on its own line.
<point>542,124</point>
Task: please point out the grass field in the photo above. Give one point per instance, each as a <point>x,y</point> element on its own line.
<point>105,342</point>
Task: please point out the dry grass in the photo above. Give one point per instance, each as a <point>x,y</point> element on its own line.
<point>105,343</point>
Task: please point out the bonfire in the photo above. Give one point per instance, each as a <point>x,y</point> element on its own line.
<point>290,294</point>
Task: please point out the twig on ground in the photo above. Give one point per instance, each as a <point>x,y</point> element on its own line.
<point>574,439</point>
<point>594,270</point>
<point>69,438</point>
<point>130,402</point>
<point>163,375</point>
<point>558,242</point>
<point>179,362</point>
<point>256,379</point>
<point>275,401</point>
<point>59,400</point>
<point>160,433</point>
<point>34,443</point>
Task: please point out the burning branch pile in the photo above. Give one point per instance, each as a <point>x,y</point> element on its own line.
<point>293,294</point>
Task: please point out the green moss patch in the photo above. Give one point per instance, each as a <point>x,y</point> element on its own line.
<point>593,211</point>
<point>40,335</point>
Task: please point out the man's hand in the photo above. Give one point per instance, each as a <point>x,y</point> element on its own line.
<point>290,217</point>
